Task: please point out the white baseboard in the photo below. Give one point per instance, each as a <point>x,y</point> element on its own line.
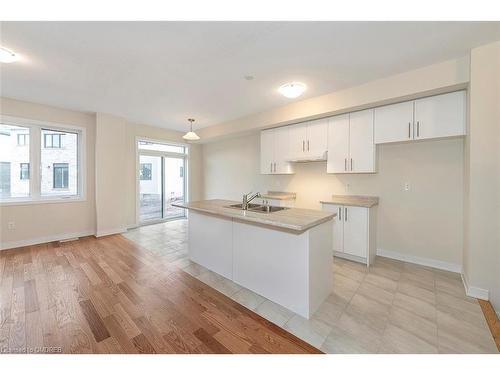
<point>475,292</point>
<point>40,240</point>
<point>439,264</point>
<point>109,232</point>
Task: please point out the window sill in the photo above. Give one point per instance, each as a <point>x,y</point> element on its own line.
<point>29,201</point>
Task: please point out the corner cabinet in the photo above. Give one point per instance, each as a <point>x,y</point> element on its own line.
<point>437,116</point>
<point>350,143</point>
<point>354,232</point>
<point>274,149</point>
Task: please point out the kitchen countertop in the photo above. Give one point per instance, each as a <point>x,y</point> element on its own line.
<point>353,200</point>
<point>279,195</point>
<point>295,220</point>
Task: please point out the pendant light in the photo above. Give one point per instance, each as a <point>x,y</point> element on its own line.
<point>191,135</point>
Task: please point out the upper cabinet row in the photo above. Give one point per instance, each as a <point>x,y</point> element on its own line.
<point>348,141</point>
<point>433,117</point>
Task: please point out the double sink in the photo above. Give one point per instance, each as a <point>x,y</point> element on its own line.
<point>257,208</point>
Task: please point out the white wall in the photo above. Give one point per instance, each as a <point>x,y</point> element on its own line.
<point>426,221</point>
<point>482,170</point>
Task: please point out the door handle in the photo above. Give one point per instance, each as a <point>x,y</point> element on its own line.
<point>418,129</point>
<point>345,214</point>
<point>345,164</point>
<point>351,164</point>
<point>308,145</point>
<point>303,146</point>
<point>409,133</point>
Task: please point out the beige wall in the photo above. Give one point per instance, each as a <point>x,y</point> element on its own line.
<point>51,220</point>
<point>433,79</point>
<point>425,222</point>
<point>482,170</point>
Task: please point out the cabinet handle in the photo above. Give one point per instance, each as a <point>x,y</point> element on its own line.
<point>271,170</point>
<point>345,164</point>
<point>351,164</point>
<point>308,145</point>
<point>303,146</point>
<point>409,133</point>
<point>274,167</point>
<point>345,214</point>
<point>340,213</point>
<point>418,129</point>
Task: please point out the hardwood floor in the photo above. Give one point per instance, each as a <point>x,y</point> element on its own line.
<point>110,295</point>
<point>492,319</point>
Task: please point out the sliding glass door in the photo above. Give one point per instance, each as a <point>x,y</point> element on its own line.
<point>161,181</point>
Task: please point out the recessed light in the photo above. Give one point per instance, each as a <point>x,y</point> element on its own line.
<point>292,89</point>
<point>249,78</point>
<point>7,56</point>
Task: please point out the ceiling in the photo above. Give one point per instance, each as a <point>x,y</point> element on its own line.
<point>161,73</point>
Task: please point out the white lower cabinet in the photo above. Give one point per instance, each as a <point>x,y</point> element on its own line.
<point>354,231</point>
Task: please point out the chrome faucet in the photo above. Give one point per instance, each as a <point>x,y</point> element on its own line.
<point>247,198</point>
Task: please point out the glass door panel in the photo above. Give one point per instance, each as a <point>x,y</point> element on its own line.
<point>174,180</point>
<point>150,187</point>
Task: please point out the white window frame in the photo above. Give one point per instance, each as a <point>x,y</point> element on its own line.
<point>35,151</point>
<point>138,152</point>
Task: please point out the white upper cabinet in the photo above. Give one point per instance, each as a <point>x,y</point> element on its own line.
<point>350,143</point>
<point>394,123</point>
<point>317,141</point>
<point>338,144</point>
<point>440,116</point>
<point>308,141</point>
<point>274,148</point>
<point>432,117</point>
<point>361,146</point>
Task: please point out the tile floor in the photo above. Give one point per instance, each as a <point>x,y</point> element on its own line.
<point>394,307</point>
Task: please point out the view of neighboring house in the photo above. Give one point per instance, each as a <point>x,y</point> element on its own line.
<point>58,162</point>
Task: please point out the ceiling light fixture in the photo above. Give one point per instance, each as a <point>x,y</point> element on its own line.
<point>191,135</point>
<point>292,90</point>
<point>7,56</point>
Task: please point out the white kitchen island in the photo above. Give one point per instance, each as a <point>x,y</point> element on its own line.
<point>284,256</point>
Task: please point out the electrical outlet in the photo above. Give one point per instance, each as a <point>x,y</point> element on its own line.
<point>407,186</point>
<point>347,187</point>
<point>11,225</point>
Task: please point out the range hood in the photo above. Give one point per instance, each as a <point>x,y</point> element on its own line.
<point>320,156</point>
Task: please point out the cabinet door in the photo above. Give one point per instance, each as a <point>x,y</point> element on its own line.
<point>356,231</point>
<point>282,151</point>
<point>440,116</point>
<point>297,135</point>
<point>394,123</point>
<point>338,144</point>
<point>317,137</point>
<point>361,146</point>
<point>338,226</point>
<point>266,151</point>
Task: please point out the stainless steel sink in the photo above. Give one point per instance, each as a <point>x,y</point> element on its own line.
<point>239,206</point>
<point>258,208</point>
<point>267,209</point>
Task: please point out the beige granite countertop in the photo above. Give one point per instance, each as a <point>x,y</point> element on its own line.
<point>279,195</point>
<point>353,200</point>
<point>295,220</point>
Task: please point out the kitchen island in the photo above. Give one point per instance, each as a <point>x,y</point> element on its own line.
<point>284,256</point>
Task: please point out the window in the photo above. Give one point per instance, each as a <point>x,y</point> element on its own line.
<point>24,171</point>
<point>55,170</point>
<point>22,139</point>
<point>12,184</point>
<point>53,140</point>
<point>145,171</point>
<point>61,176</point>
<point>163,147</point>
<point>59,166</point>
